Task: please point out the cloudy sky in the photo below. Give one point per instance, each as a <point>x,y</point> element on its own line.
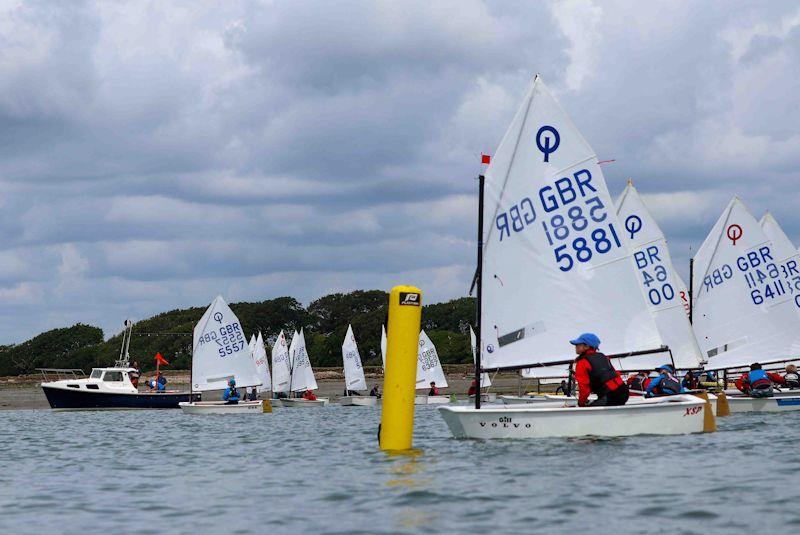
<point>156,154</point>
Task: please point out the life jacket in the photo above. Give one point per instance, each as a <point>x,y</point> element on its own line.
<point>792,380</point>
<point>638,383</point>
<point>603,378</point>
<point>233,394</point>
<point>667,386</point>
<point>759,380</point>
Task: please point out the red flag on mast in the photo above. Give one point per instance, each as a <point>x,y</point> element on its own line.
<point>161,360</point>
<point>486,159</point>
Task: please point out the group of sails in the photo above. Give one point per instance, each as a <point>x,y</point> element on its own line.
<point>557,257</point>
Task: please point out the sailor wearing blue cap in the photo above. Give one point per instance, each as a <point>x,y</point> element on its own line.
<point>666,384</point>
<point>594,373</point>
<point>231,395</point>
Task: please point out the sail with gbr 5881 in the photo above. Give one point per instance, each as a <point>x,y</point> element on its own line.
<point>554,264</point>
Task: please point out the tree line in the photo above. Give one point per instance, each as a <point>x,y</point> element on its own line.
<point>324,321</point>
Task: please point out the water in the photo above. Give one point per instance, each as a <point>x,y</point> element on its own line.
<point>319,471</point>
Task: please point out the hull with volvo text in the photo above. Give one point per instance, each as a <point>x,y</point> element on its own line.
<point>677,416</point>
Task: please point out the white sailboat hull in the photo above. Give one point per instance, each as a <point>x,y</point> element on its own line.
<point>486,397</point>
<point>220,407</point>
<point>358,401</point>
<point>774,404</point>
<point>431,400</point>
<point>305,403</point>
<point>676,416</point>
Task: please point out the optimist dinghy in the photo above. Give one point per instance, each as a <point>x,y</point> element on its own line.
<point>552,240</point>
<point>745,304</point>
<point>354,374</point>
<point>220,353</point>
<point>301,377</point>
<point>429,369</point>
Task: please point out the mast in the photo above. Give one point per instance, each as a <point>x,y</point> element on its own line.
<point>479,276</point>
<point>691,288</point>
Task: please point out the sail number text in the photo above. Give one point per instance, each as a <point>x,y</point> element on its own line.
<point>229,339</point>
<point>574,223</point>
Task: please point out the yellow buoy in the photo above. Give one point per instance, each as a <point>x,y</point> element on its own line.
<point>267,406</point>
<point>400,375</point>
<point>723,408</point>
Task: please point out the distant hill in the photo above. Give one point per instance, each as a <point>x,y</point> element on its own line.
<point>325,322</point>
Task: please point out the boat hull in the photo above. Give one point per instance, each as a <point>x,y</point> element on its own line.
<point>305,403</point>
<point>673,417</point>
<point>431,400</point>
<point>358,401</point>
<point>73,399</point>
<point>220,407</point>
<point>773,404</point>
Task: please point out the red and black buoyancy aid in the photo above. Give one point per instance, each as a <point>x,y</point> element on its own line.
<point>602,376</point>
<point>759,380</point>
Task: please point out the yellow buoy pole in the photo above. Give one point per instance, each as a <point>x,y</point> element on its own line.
<point>709,422</point>
<point>400,375</point>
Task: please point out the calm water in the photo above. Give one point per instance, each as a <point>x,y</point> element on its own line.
<point>319,471</point>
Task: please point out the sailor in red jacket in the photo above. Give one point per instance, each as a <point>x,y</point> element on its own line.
<point>594,373</point>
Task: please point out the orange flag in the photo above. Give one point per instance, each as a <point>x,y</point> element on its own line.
<point>161,360</point>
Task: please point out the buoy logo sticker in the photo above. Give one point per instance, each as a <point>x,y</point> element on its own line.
<point>633,224</point>
<point>547,144</point>
<point>218,317</point>
<point>734,233</point>
<point>409,299</point>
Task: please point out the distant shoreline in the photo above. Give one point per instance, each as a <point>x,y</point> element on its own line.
<point>24,392</point>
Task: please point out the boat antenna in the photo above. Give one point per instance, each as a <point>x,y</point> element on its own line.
<point>124,356</point>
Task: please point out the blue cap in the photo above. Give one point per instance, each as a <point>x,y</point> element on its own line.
<point>232,382</point>
<point>666,368</point>
<point>590,339</point>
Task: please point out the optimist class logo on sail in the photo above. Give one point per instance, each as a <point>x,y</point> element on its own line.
<point>574,219</point>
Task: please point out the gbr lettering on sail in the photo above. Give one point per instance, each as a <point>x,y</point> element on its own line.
<point>570,213</point>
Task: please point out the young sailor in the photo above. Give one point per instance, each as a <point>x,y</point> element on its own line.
<point>433,391</point>
<point>665,384</point>
<point>792,378</point>
<point>638,383</point>
<point>757,383</point>
<point>595,373</point>
<point>231,395</point>
<point>309,396</point>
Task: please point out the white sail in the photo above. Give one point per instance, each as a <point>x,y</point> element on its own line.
<point>302,374</point>
<point>383,346</point>
<point>485,380</point>
<point>281,365</point>
<point>784,247</point>
<point>744,304</point>
<point>555,263</point>
<point>683,292</point>
<point>252,343</point>
<point>428,366</point>
<point>657,278</point>
<point>545,372</point>
<point>353,372</point>
<point>260,359</point>
<point>220,351</point>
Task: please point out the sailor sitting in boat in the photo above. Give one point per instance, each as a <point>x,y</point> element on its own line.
<point>665,384</point>
<point>157,383</point>
<point>792,378</point>
<point>637,384</point>
<point>757,383</point>
<point>433,391</point>
<point>595,374</point>
<point>231,395</point>
<point>375,392</point>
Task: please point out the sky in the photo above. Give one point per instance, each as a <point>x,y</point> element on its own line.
<point>156,154</point>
